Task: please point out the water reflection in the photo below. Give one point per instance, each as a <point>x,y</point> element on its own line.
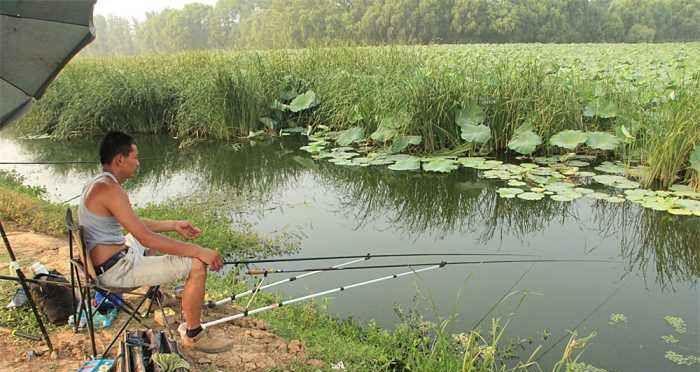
<point>414,204</point>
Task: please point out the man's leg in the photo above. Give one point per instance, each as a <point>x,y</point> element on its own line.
<point>193,294</point>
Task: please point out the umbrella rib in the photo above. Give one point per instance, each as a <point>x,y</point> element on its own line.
<point>16,87</point>
<point>44,20</point>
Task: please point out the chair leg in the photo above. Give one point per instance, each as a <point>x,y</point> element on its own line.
<point>149,294</point>
<point>90,325</point>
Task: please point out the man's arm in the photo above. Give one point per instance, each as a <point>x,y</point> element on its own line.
<point>159,226</point>
<point>115,199</point>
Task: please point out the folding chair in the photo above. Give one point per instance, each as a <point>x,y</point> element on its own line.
<point>84,277</point>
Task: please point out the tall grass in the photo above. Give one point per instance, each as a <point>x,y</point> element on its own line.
<point>223,95</point>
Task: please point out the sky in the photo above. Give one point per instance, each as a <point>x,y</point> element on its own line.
<point>138,8</point>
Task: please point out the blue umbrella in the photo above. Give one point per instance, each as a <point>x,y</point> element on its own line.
<point>37,39</point>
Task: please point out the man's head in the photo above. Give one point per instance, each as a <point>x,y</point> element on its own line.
<point>119,154</point>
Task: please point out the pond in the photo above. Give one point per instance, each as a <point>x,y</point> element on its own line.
<point>351,210</point>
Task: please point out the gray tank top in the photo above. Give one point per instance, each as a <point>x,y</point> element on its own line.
<point>98,229</point>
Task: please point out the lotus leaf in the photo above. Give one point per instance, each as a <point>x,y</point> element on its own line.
<point>471,115</point>
<point>343,155</point>
<point>350,136</point>
<point>602,141</point>
<point>441,165</point>
<point>516,183</point>
<point>567,197</point>
<point>598,196</point>
<point>680,212</point>
<point>679,187</point>
<point>616,181</point>
<point>541,171</point>
<point>512,168</point>
<point>568,139</point>
<point>343,149</point>
<point>611,168</point>
<point>400,143</point>
<point>471,162</point>
<point>497,173</point>
<point>386,131</point>
<point>303,102</point>
<point>695,159</point>
<point>509,192</point>
<point>412,163</point>
<point>537,189</point>
<point>528,165</point>
<point>339,161</point>
<point>530,196</point>
<point>691,205</point>
<point>476,133</point>
<point>577,163</point>
<point>559,187</point>
<point>314,147</point>
<point>583,190</point>
<point>546,160</point>
<point>658,205</point>
<point>399,157</point>
<point>381,161</point>
<point>525,142</point>
<point>600,108</point>
<point>537,179</point>
<point>488,164</point>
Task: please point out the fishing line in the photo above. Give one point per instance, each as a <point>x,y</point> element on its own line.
<point>370,255</point>
<point>605,301</point>
<point>505,294</point>
<point>442,263</point>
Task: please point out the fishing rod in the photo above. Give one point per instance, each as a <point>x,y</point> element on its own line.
<point>314,295</point>
<point>235,297</point>
<point>370,255</point>
<point>51,162</point>
<point>442,263</point>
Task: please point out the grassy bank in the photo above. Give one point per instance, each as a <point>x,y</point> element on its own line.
<point>651,99</point>
<point>415,344</point>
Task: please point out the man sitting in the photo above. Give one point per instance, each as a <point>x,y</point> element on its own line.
<point>123,261</point>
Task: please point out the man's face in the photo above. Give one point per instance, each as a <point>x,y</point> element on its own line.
<point>129,164</point>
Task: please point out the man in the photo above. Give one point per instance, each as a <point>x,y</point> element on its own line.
<point>123,261</point>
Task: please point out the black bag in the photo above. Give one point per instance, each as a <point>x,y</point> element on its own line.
<point>54,301</point>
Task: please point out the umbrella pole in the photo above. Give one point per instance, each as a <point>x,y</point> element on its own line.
<point>22,281</point>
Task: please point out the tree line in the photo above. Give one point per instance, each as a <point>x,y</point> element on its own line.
<point>238,24</point>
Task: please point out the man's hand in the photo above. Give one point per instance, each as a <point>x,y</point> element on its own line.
<point>211,258</point>
<point>187,230</point>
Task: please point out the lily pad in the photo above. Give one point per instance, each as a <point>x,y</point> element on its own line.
<point>488,164</point>
<point>386,131</point>
<point>350,136</point>
<point>530,196</point>
<point>476,133</point>
<point>566,197</point>
<point>525,142</point>
<point>406,164</point>
<point>470,115</point>
<point>680,212</point>
<point>441,165</point>
<point>568,139</point>
<point>303,102</point>
<point>471,162</point>
<point>516,183</point>
<point>603,141</point>
<point>400,143</point>
<point>583,190</point>
<point>577,163</point>
<point>509,192</point>
<point>584,174</point>
<point>616,181</point>
<point>695,159</point>
<point>608,167</point>
<point>497,173</point>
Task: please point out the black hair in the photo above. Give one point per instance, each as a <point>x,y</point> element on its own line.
<point>113,144</point>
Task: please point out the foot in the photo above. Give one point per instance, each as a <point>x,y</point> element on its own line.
<point>203,342</point>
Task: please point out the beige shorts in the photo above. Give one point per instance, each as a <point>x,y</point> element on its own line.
<point>136,270</point>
